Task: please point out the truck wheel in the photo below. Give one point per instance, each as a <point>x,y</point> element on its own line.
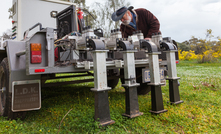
<point>112,82</point>
<point>5,95</point>
<point>143,89</point>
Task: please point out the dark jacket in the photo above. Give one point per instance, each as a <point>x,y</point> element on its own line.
<point>146,22</point>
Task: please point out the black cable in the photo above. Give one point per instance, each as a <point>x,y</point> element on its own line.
<point>89,13</point>
<point>68,55</point>
<point>76,53</point>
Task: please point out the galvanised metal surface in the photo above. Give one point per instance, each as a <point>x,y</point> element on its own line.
<point>154,68</point>
<point>39,37</point>
<point>17,66</point>
<point>80,66</point>
<point>113,65</point>
<point>100,71</point>
<point>50,46</point>
<point>129,68</point>
<point>171,64</point>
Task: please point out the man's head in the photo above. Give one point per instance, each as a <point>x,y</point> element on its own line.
<point>126,19</point>
<point>123,14</point>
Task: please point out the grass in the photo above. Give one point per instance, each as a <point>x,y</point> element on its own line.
<point>200,89</point>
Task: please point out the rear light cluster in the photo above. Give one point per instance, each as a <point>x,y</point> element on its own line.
<point>36,57</point>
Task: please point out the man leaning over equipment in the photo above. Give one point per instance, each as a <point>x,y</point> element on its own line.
<point>138,19</point>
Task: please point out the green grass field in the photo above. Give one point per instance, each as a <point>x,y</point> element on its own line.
<point>200,89</point>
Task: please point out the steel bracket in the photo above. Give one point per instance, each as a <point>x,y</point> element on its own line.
<point>148,45</point>
<point>168,46</point>
<point>125,45</point>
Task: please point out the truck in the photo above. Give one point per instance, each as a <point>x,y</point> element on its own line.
<point>50,38</point>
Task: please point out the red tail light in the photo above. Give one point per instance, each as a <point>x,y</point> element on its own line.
<point>35,53</point>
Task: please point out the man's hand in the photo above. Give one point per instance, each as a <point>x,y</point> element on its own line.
<point>148,39</point>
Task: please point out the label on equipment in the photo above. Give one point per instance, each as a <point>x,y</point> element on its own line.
<point>146,75</point>
<point>134,38</point>
<point>26,95</point>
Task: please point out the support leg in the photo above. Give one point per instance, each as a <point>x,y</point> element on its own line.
<point>132,106</point>
<point>156,92</point>
<point>173,79</point>
<point>174,92</point>
<point>131,99</point>
<point>102,112</point>
<point>157,100</point>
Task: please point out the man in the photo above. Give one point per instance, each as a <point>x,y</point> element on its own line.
<point>138,19</point>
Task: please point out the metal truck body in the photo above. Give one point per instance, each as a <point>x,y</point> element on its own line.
<point>26,13</point>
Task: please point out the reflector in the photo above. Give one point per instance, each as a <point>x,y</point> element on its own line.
<point>39,70</point>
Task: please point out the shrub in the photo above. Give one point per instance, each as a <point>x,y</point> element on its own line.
<point>207,56</point>
<point>187,55</point>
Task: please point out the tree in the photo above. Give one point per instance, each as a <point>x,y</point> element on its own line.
<point>206,49</point>
<point>104,12</point>
<point>89,17</point>
<point>79,2</point>
<point>7,34</point>
<point>183,47</point>
<point>198,45</point>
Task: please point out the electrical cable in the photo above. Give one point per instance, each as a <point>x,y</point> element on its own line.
<point>64,39</point>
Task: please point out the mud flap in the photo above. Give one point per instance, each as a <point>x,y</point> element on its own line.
<point>26,95</point>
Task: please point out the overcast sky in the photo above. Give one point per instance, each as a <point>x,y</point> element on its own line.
<point>179,19</point>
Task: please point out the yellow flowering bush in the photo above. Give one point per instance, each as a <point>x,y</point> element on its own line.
<point>202,50</point>
<point>207,56</point>
<point>187,55</point>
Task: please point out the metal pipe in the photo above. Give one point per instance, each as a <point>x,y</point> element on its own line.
<point>21,53</point>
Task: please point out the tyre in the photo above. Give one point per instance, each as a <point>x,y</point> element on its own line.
<point>143,89</point>
<point>113,81</point>
<point>5,95</point>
